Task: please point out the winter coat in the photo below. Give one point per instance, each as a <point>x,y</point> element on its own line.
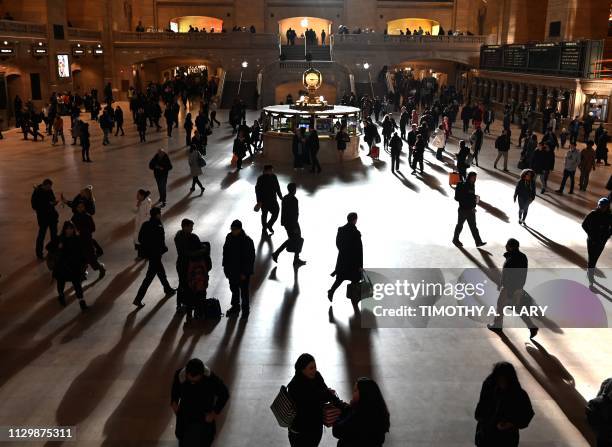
<point>309,397</point>
<point>267,189</point>
<point>465,194</point>
<point>525,191</point>
<point>355,429</point>
<point>587,159</point>
<point>142,215</point>
<point>152,238</point>
<point>396,145</point>
<point>238,255</point>
<point>540,161</point>
<point>502,143</point>
<point>194,157</point>
<point>160,165</point>
<point>290,212</point>
<point>43,202</point>
<point>514,271</point>
<point>598,225</point>
<point>71,260</point>
<point>350,253</point>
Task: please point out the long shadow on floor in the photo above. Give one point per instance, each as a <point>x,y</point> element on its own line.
<point>557,382</point>
<point>407,183</point>
<point>284,317</point>
<point>179,181</point>
<point>494,211</point>
<point>17,275</point>
<point>433,183</point>
<point>562,250</point>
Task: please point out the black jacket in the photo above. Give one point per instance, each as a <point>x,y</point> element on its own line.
<point>290,212</point>
<point>465,194</point>
<point>525,191</point>
<point>70,263</point>
<point>350,253</point>
<point>542,161</point>
<point>396,145</point>
<point>598,225</point>
<point>412,137</point>
<point>514,272</point>
<point>309,396</point>
<point>477,137</point>
<point>160,165</point>
<point>119,117</point>
<point>494,405</point>
<point>267,190</point>
<point>238,255</point>
<point>502,143</point>
<point>43,202</point>
<point>152,238</point>
<point>189,247</point>
<point>355,429</point>
<point>195,400</point>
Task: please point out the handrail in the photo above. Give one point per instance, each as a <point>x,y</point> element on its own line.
<point>256,38</point>
<point>382,39</point>
<point>13,26</point>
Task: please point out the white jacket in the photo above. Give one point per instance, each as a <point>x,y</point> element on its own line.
<point>439,139</point>
<point>142,215</point>
<point>572,160</point>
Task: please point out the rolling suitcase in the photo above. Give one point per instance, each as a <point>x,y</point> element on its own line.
<point>375,152</point>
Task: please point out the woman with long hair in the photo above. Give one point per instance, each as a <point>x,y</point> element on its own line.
<point>525,192</point>
<point>503,409</point>
<point>365,421</point>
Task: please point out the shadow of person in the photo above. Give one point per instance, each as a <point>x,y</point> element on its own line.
<point>179,181</point>
<point>562,250</point>
<point>506,177</point>
<point>436,167</point>
<point>229,179</point>
<point>18,274</point>
<point>407,183</point>
<point>84,393</point>
<point>433,183</point>
<point>494,211</point>
<point>144,412</point>
<point>283,319</point>
<point>262,263</point>
<point>178,208</point>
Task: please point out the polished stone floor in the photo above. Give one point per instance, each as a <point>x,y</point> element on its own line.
<point>108,372</point>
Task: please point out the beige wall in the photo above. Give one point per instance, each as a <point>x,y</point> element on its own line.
<point>579,18</point>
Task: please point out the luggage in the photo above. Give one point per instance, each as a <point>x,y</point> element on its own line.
<point>283,408</point>
<point>208,308</point>
<point>361,290</point>
<point>197,275</point>
<point>453,178</point>
<point>330,415</point>
<point>522,163</point>
<point>295,244</point>
<point>375,152</point>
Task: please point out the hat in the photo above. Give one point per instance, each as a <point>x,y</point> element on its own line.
<point>236,224</point>
<point>603,202</point>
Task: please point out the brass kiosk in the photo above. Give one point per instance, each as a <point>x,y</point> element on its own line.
<point>310,112</point>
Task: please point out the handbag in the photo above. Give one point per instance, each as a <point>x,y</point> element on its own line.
<point>283,408</point>
<point>201,161</point>
<point>360,290</point>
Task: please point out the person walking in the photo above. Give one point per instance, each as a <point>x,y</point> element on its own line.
<point>574,130</point>
<point>119,120</point>
<point>239,150</point>
<point>85,143</point>
<point>489,117</point>
<point>267,189</point>
<point>213,114</point>
<point>238,266</point>
<point>298,148</point>
<point>439,141</point>
<point>75,131</point>
<point>196,163</point>
<point>189,248</point>
<point>418,152</point>
<point>601,154</point>
<point>411,140</point>
<point>599,414</point>
<point>169,117</point>
<point>143,210</point>
<point>587,165</point>
<point>466,116</point>
<point>465,194</point>
<point>141,124</point>
<point>86,227</point>
<point>598,227</point>
<point>502,144</point>
<point>365,422</point>
<point>463,162</point>
<point>349,264</point>
<point>395,144</point>
<point>70,263</point>
<point>309,392</point>
<point>342,138</point>
<point>312,147</point>
<point>43,202</point>
<point>161,165</point>
<point>572,160</point>
<point>403,122</point>
<point>198,396</point>
<point>152,240</point>
<point>511,293</point>
<point>541,164</point>
<point>503,408</point>
<point>289,220</point>
<point>188,126</point>
<point>371,135</point>
<point>58,130</point>
<point>476,140</point>
<point>106,124</point>
<point>525,192</point>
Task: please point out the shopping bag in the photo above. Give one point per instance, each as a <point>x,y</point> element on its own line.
<point>453,178</point>
<point>283,408</point>
<point>375,152</point>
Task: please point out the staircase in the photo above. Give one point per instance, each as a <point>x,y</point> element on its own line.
<point>296,53</point>
<point>247,94</point>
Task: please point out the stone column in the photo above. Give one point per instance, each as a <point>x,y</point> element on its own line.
<point>521,93</point>
<point>506,93</point>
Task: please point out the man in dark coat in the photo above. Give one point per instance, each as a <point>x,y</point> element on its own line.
<point>161,165</point>
<point>476,140</point>
<point>119,121</point>
<point>412,137</point>
<point>266,191</point>
<point>502,144</point>
<point>465,194</point>
<point>197,398</point>
<point>403,122</point>
<point>188,248</point>
<point>514,276</point>
<point>169,116</point>
<point>43,201</point>
<point>238,266</point>
<point>489,117</point>
<point>289,220</point>
<point>598,227</point>
<point>466,116</point>
<point>349,264</point>
<point>396,149</point>
<point>152,240</point>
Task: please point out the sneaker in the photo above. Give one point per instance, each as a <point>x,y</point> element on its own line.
<point>533,331</point>
<point>495,329</point>
<point>83,305</point>
<point>559,191</point>
<point>481,244</point>
<point>232,311</point>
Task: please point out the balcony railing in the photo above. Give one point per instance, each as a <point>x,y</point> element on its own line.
<point>233,39</point>
<point>375,39</point>
<point>84,33</point>
<point>23,28</point>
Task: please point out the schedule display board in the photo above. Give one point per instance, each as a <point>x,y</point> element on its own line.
<point>575,59</point>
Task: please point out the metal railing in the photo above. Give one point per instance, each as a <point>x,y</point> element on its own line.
<point>84,33</point>
<point>385,39</point>
<point>226,39</point>
<point>15,27</point>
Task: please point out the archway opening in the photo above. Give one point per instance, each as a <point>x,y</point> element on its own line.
<point>182,24</point>
<point>400,26</point>
<point>301,24</point>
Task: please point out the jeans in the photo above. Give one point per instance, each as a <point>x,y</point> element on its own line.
<point>594,249</point>
<point>470,216</point>
<point>523,208</point>
<point>42,232</point>
<point>240,292</point>
<point>56,135</point>
<point>195,180</point>
<point>273,209</point>
<point>395,162</point>
<point>584,179</point>
<point>119,127</point>
<point>162,181</point>
<point>416,160</point>
<point>544,179</point>
<point>85,150</point>
<point>568,174</point>
<point>105,140</point>
<point>155,268</point>
<point>501,154</point>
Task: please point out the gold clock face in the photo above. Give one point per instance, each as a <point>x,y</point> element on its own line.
<point>312,79</point>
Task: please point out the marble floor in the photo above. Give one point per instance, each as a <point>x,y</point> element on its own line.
<point>108,372</point>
